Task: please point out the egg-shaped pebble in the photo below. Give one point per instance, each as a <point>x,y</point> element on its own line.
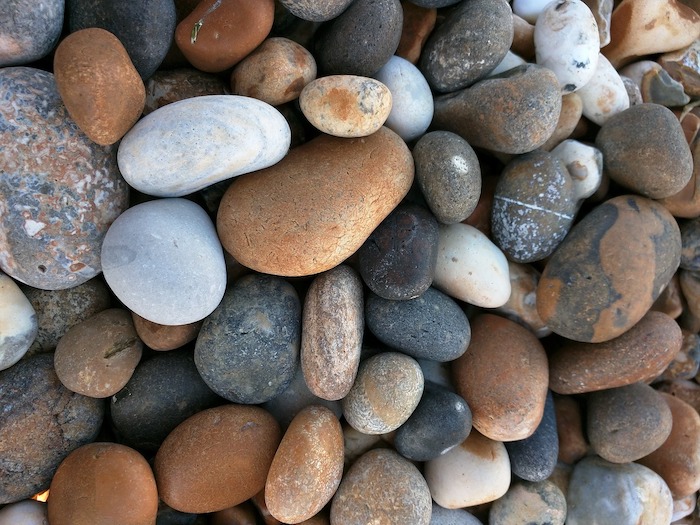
<point>530,502</point>
<point>307,467</point>
<point>316,207</point>
<point>18,323</point>
<point>382,487</point>
<point>99,481</point>
<point>475,472</point>
<point>584,164</point>
<point>248,348</point>
<point>470,267</point>
<point>194,143</point>
<point>604,95</point>
<point>609,270</point>
<point>387,390</point>
<point>25,512</point>
<point>29,34</point>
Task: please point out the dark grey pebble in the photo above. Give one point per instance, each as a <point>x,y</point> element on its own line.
<point>29,31</point>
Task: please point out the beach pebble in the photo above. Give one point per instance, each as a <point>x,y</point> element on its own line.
<point>167,86</point>
<point>509,61</point>
<point>690,245</point>
<point>687,361</point>
<point>609,270</point>
<point>443,516</point>
<point>684,67</point>
<point>387,390</point>
<point>604,95</point>
<point>163,337</point>
<point>448,174</point>
<point>418,24</point>
<point>25,512</point>
<point>68,188</point>
<point>29,392</point>
<point>29,34</point>
<point>683,389</point>
<point>18,323</point>
<point>529,9</point>
<point>191,144</point>
<point>569,119</point>
<point>572,443</point>
<point>382,487</point>
<point>585,166</point>
<point>521,306</point>
<point>163,260</point>
<point>686,203</point>
<point>316,11</point>
<point>533,503</point>
<point>102,480</point>
<point>316,207</point>
<point>217,458</point>
<point>248,349</point>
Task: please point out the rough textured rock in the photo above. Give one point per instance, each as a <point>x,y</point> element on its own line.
<point>316,11</point>
<point>172,85</point>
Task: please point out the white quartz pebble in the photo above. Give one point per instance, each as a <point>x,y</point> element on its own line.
<point>585,165</point>
<point>27,512</point>
<point>18,323</point>
<point>604,95</point>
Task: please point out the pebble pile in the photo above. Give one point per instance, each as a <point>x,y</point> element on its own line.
<point>350,262</point>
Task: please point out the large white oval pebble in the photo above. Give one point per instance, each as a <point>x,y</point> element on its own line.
<point>163,260</point>
<point>18,323</point>
<point>604,95</point>
<point>470,267</point>
<point>194,143</point>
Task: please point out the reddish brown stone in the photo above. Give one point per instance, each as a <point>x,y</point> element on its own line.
<point>572,443</point>
<point>570,116</point>
<point>165,337</point>
<point>418,23</point>
<point>166,87</point>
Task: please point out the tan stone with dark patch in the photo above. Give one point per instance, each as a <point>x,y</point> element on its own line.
<point>315,208</point>
<point>609,270</point>
<point>165,337</point>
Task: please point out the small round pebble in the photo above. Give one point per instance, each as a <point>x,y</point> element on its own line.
<point>18,323</point>
<point>163,337</point>
<point>25,512</point>
<point>530,503</point>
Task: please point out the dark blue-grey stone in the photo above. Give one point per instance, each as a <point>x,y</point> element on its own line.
<point>145,27</point>
<point>443,516</point>
<point>441,421</point>
<point>248,348</point>
<point>29,31</point>
<point>534,458</point>
<point>432,326</point>
<point>169,516</point>
<point>161,394</point>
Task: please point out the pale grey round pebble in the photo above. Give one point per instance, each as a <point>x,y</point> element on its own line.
<point>29,31</point>
<point>315,11</point>
<point>443,516</point>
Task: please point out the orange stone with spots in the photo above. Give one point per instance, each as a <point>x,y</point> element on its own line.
<point>609,270</point>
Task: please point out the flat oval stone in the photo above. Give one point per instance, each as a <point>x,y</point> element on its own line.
<point>382,487</point>
<point>387,390</point>
<point>103,479</point>
<point>18,323</point>
<point>163,260</point>
<point>216,459</point>
<point>97,357</point>
<point>316,207</point>
<point>25,512</point>
<point>307,467</point>
<point>194,143</point>
<point>30,392</point>
<point>471,41</point>
<point>248,348</point>
<point>640,354</point>
<point>431,326</point>
<point>172,85</point>
<point>507,400</point>
<point>609,270</point>
<point>449,175</point>
<point>333,324</point>
<point>68,188</point>
<point>316,11</point>
<point>161,337</point>
<point>29,34</point>
<point>527,502</point>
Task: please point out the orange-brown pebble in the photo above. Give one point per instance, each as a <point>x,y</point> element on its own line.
<point>572,443</point>
<point>218,34</point>
<point>165,337</point>
<point>503,377</point>
<point>217,458</point>
<point>103,484</point>
<point>99,84</point>
<point>570,116</point>
<point>523,38</point>
<point>307,467</point>
<point>418,23</point>
<point>275,72</point>
<point>315,208</point>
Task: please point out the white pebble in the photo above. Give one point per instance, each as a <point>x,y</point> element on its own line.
<point>585,165</point>
<point>604,95</point>
<point>18,323</point>
<point>529,9</point>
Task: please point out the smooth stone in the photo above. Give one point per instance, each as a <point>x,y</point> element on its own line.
<point>216,459</point>
<point>194,143</point>
<point>316,207</point>
<point>448,174</point>
<point>418,24</point>
<point>97,357</point>
<point>161,337</point>
<point>567,42</point>
<point>346,106</point>
<point>432,326</point>
<point>521,306</point>
<point>276,72</point>
<point>573,445</point>
<point>248,348</point>
<point>18,323</point>
<point>684,67</point>
<point>87,191</point>
<point>333,325</point>
<point>533,503</point>
<point>443,516</point>
<point>316,11</point>
<point>28,34</point>
<point>30,392</point>
<point>25,512</point>
<point>387,390</point>
<point>609,270</point>
<point>569,118</point>
<point>529,10</point>
<point>510,61</point>
<point>167,86</point>
<point>163,260</point>
<point>162,392</point>
<point>670,301</point>
<point>382,487</point>
<point>677,460</point>
<point>685,507</point>
<point>687,361</point>
<point>357,443</point>
<point>434,4</point>
<point>604,95</point>
<point>683,389</point>
<point>514,112</point>
<point>441,421</point>
<point>585,165</point>
<point>360,40</point>
<point>243,514</point>
<point>523,37</point>
<point>475,472</point>
<point>99,481</point>
<point>217,35</point>
<point>534,206</point>
<point>690,245</point>
<point>412,100</point>
<point>307,467</point>
<point>690,288</point>
<point>144,27</point>
<point>624,494</point>
<point>397,261</point>
<point>437,373</point>
<point>471,268</point>
<point>507,400</point>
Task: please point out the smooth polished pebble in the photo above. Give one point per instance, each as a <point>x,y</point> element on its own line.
<point>573,445</point>
<point>585,166</point>
<point>533,503</point>
<point>316,11</point>
<point>418,24</point>
<point>18,323</point>
<point>25,512</point>
<point>521,306</point>
<point>569,119</point>
<point>161,337</point>
<point>29,34</point>
<point>604,95</point>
